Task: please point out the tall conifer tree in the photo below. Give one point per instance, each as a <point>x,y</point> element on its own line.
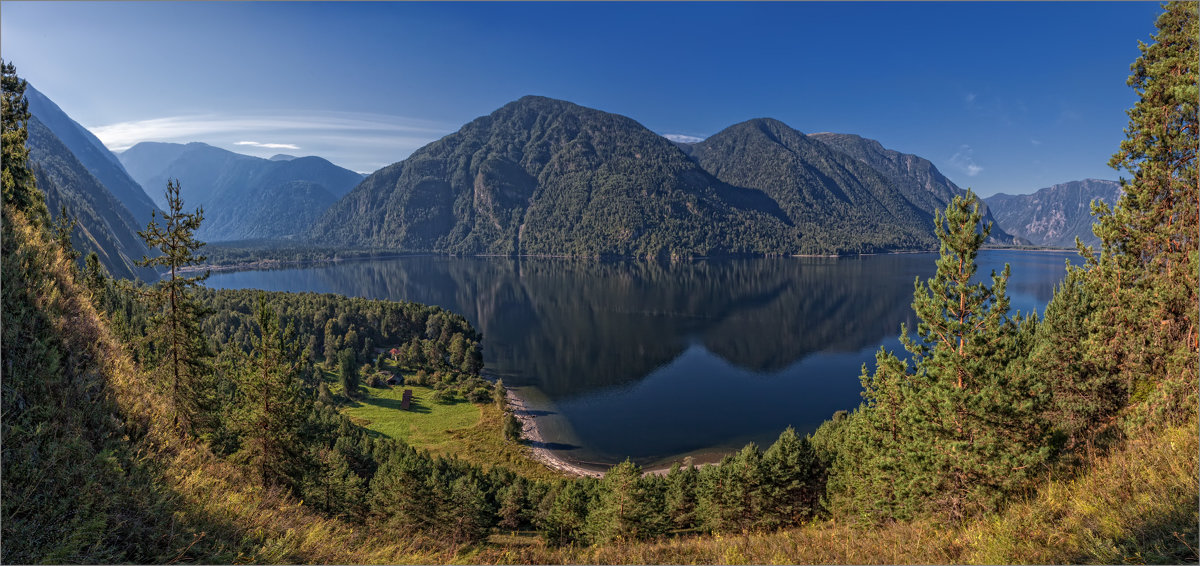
<point>273,403</point>
<point>1145,273</point>
<point>964,427</point>
<point>176,327</point>
<point>19,187</point>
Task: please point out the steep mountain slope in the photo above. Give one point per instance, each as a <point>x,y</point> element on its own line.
<point>243,196</point>
<point>93,155</point>
<point>1055,215</point>
<point>830,196</point>
<point>105,225</point>
<point>914,176</point>
<point>543,176</point>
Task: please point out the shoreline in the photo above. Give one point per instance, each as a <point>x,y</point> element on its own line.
<point>272,263</point>
<point>531,435</point>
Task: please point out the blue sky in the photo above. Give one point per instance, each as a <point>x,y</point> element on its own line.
<point>1002,97</point>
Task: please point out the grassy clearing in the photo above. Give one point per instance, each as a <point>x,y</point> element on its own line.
<point>471,432</point>
<point>426,424</point>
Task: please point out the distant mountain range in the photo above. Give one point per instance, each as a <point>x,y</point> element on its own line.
<point>544,176</point>
<point>243,197</point>
<point>1055,215</point>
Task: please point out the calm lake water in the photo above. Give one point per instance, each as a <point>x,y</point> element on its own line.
<point>655,361</point>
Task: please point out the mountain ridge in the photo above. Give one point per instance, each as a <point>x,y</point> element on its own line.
<point>916,177</point>
<point>104,224</point>
<point>1054,216</point>
<point>93,155</point>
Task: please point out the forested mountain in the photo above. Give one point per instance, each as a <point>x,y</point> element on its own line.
<point>914,176</point>
<point>543,176</point>
<point>1055,215</point>
<point>93,155</point>
<point>832,198</point>
<point>243,197</point>
<point>105,225</point>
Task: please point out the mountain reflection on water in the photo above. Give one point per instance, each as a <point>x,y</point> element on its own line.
<point>651,360</point>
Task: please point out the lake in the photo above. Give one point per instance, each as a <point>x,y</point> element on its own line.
<point>656,361</point>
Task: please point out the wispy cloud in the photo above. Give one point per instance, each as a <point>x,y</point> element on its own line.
<point>1035,142</point>
<point>970,98</point>
<point>964,160</point>
<point>682,138</point>
<point>363,142</point>
<point>268,145</point>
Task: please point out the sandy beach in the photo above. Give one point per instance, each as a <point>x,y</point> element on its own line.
<point>530,432</point>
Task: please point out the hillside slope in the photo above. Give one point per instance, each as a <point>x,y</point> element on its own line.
<point>93,155</point>
<point>1055,215</point>
<point>832,199</point>
<point>914,176</point>
<point>105,225</point>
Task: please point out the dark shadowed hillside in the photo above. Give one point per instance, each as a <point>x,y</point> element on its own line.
<point>104,226</point>
<point>93,155</point>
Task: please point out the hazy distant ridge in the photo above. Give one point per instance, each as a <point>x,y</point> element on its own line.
<point>1055,215</point>
<point>243,197</point>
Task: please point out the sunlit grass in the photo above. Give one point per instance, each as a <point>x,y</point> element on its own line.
<point>425,424</point>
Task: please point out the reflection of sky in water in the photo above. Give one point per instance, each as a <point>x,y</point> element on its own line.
<point>652,361</point>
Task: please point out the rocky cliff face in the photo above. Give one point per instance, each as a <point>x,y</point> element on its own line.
<point>1056,215</point>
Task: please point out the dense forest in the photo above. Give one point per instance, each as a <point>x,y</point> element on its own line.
<point>167,422</point>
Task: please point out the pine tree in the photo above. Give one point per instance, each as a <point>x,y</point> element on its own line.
<point>273,403</point>
<point>348,371</point>
<point>978,425</point>
<point>513,505</point>
<point>680,497</point>
<point>400,495</point>
<point>19,187</point>
<point>1145,274</point>
<point>176,327</point>
<point>332,343</point>
<point>793,480</point>
<point>626,508</point>
<point>1085,393</point>
<point>565,512</point>
<point>965,426</point>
